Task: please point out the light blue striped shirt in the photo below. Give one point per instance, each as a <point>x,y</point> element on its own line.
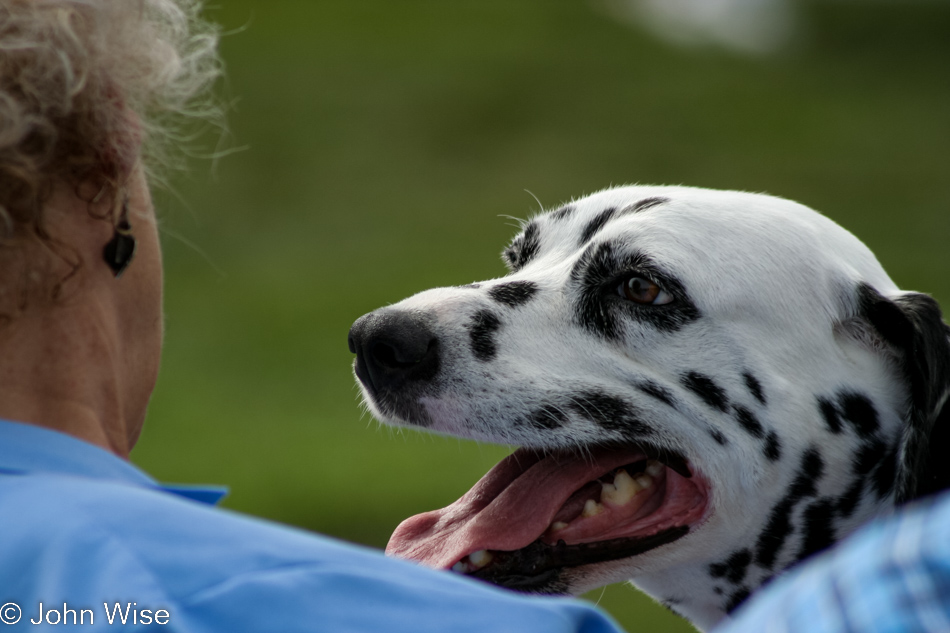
<point>893,576</point>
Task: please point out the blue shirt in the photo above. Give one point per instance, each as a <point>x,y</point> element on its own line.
<point>91,537</point>
<point>893,576</point>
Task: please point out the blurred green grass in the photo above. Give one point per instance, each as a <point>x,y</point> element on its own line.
<point>387,140</point>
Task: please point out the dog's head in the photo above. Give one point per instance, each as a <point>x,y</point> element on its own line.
<point>706,387</point>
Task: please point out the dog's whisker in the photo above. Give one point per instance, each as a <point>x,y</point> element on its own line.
<point>540,206</point>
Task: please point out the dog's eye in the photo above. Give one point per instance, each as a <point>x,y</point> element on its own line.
<point>641,290</point>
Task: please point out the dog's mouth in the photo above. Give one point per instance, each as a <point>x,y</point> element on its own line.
<point>537,514</point>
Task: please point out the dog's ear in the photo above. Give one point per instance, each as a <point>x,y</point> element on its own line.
<point>911,323</point>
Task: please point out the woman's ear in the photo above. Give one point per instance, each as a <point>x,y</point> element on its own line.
<point>912,325</point>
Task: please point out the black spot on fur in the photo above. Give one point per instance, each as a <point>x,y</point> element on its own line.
<point>755,387</point>
<point>776,531</point>
<point>872,461</point>
<point>646,203</point>
<point>718,436</point>
<point>594,269</point>
<point>779,527</point>
<point>813,466</point>
<point>885,474</point>
<point>717,590</point>
<point>563,213</point>
<point>733,568</point>
<point>595,225</point>
<point>704,387</point>
<point>748,421</point>
<point>819,527</point>
<point>607,411</point>
<point>830,414</point>
<point>656,391</point>
<point>773,447</point>
<point>736,599</point>
<point>547,417</point>
<point>601,310</point>
<point>849,500</point>
<point>514,293</point>
<point>481,334</point>
<point>858,410</point>
<point>524,248</point>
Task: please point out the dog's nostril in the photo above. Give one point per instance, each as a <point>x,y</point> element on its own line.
<point>385,356</point>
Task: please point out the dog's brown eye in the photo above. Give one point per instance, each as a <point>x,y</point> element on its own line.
<point>641,290</point>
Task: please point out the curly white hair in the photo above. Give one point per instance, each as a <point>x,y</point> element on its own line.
<point>87,87</point>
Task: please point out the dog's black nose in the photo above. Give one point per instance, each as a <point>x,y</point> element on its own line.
<point>393,348</point>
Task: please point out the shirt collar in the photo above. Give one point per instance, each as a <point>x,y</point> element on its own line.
<point>25,448</point>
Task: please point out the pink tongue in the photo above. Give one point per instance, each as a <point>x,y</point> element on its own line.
<point>509,508</point>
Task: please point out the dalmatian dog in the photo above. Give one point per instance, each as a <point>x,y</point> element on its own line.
<point>705,387</point>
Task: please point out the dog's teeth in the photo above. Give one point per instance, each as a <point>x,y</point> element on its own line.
<point>644,480</point>
<point>621,491</point>
<point>654,468</point>
<point>480,558</point>
<point>558,525</point>
<point>461,567</point>
<point>592,508</point>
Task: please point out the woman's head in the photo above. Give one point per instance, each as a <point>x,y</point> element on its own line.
<point>87,88</point>
<point>94,96</point>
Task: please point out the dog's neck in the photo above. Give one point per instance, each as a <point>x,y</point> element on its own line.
<point>706,593</point>
<point>687,591</point>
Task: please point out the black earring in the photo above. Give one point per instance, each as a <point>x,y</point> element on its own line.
<point>120,249</point>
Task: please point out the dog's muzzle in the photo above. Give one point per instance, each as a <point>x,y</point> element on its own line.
<point>394,349</point>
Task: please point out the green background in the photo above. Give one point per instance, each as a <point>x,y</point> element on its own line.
<point>386,141</point>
